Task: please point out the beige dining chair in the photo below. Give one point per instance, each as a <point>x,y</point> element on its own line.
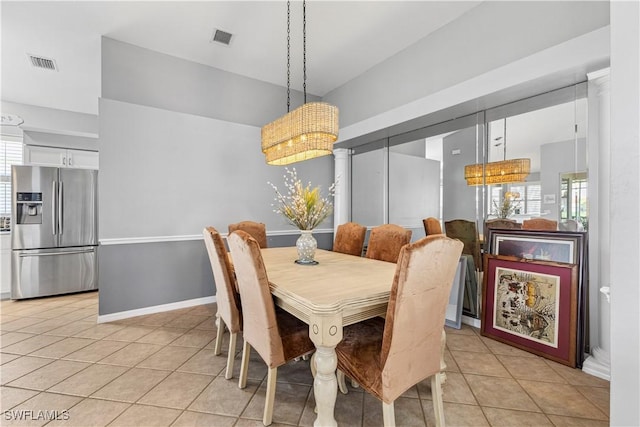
<point>570,225</point>
<point>431,226</point>
<point>257,230</point>
<point>539,224</point>
<point>227,297</point>
<point>385,242</point>
<point>276,335</point>
<point>350,238</point>
<point>387,357</point>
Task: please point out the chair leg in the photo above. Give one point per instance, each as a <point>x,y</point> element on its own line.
<point>218,347</point>
<point>354,384</point>
<point>443,365</point>
<point>388,415</point>
<point>270,396</point>
<point>244,366</point>
<point>436,396</point>
<point>342,384</point>
<point>231,357</point>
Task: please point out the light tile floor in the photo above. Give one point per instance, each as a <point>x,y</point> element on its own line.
<point>159,370</point>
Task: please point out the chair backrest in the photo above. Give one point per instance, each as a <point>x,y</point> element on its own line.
<point>500,223</point>
<point>570,225</point>
<point>350,238</point>
<point>260,328</point>
<point>411,344</point>
<point>431,226</point>
<point>257,230</point>
<point>227,297</point>
<point>467,233</point>
<point>385,242</point>
<point>539,224</point>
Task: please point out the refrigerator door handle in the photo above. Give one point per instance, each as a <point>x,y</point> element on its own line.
<point>32,254</point>
<point>54,207</point>
<point>60,207</point>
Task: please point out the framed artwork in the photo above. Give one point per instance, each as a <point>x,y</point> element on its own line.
<point>532,305</point>
<point>558,246</point>
<point>453,316</point>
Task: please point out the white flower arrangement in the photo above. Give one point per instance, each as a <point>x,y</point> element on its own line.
<point>302,206</point>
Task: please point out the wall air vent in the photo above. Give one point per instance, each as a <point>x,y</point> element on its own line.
<point>221,37</point>
<point>42,62</point>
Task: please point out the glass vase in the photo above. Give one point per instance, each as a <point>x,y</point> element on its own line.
<point>306,245</point>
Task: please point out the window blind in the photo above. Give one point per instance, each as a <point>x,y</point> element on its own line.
<point>10,154</point>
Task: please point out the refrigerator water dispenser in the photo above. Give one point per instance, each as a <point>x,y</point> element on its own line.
<point>28,208</point>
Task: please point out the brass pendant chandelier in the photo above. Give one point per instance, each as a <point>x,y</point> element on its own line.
<point>308,131</point>
<point>502,172</point>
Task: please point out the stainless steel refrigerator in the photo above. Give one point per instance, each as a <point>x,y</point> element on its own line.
<point>54,238</point>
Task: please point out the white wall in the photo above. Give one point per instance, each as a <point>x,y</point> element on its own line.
<point>50,120</point>
<point>625,206</point>
<point>459,199</point>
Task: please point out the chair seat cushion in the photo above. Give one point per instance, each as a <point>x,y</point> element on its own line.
<point>295,335</point>
<point>359,354</point>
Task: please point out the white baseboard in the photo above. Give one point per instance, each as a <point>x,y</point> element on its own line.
<point>471,321</point>
<point>155,309</point>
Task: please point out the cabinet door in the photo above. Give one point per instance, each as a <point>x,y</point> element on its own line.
<point>82,159</point>
<point>44,156</point>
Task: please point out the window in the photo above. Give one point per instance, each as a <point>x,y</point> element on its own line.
<point>10,154</point>
<point>527,197</point>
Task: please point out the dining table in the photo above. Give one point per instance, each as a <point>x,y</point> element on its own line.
<point>338,291</point>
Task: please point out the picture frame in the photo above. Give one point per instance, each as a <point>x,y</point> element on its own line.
<point>558,246</point>
<point>453,316</point>
<point>532,305</point>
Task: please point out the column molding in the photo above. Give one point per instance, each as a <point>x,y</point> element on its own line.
<point>598,363</point>
<point>342,198</point>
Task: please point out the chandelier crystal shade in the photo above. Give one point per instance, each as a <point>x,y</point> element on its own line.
<point>502,172</point>
<point>308,131</point>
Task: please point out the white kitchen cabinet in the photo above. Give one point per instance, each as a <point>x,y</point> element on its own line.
<point>60,157</point>
<point>5,265</point>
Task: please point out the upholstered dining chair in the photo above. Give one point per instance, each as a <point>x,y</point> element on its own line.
<point>257,230</point>
<point>539,224</point>
<point>431,226</point>
<point>467,233</point>
<point>350,238</point>
<point>503,223</point>
<point>227,297</point>
<point>276,335</point>
<point>387,357</point>
<point>385,242</point>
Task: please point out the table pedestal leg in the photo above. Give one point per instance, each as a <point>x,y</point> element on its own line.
<point>325,385</point>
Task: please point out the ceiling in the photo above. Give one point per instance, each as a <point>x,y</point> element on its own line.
<point>344,39</point>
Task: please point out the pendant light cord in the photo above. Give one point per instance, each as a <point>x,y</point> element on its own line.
<point>288,55</point>
<point>304,49</point>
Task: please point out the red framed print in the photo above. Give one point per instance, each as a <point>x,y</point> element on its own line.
<point>531,305</point>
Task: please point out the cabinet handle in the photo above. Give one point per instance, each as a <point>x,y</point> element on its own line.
<point>64,161</point>
<point>70,160</point>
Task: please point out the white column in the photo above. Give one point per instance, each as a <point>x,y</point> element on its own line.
<point>599,361</point>
<point>342,199</point>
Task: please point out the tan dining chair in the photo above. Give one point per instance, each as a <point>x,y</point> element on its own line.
<point>350,238</point>
<point>385,242</point>
<point>502,223</point>
<point>227,297</point>
<point>257,230</point>
<point>276,335</point>
<point>387,357</point>
<point>539,224</point>
<point>467,232</point>
<point>431,226</point>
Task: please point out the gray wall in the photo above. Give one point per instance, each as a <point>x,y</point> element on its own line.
<point>488,36</point>
<point>555,159</point>
<point>459,199</point>
<point>142,76</point>
<point>165,174</point>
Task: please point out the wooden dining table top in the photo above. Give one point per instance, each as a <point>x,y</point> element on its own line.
<point>351,285</point>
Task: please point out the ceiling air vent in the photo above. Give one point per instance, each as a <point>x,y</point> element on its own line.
<point>221,37</point>
<point>42,62</point>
